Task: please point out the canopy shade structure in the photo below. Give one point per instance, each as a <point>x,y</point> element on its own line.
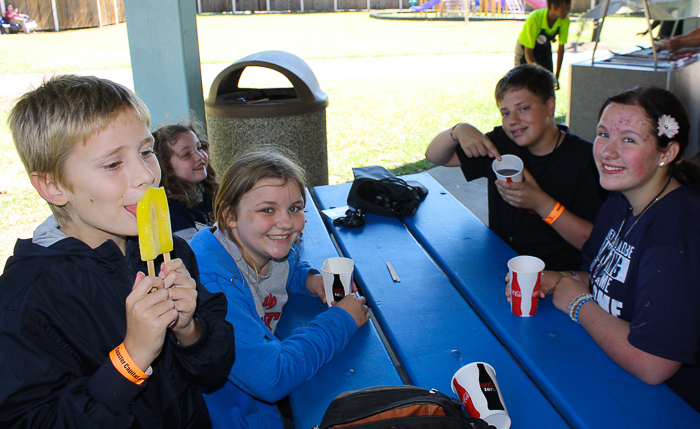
<point>628,6</point>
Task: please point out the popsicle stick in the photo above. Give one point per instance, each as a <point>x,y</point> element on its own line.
<point>394,276</point>
<point>152,273</point>
<point>166,259</point>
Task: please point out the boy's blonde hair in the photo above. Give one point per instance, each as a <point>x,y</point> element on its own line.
<point>50,120</point>
<point>241,177</point>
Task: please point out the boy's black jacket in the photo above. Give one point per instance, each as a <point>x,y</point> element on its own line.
<point>62,310</point>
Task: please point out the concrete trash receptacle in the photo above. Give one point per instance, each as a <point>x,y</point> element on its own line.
<point>241,119</point>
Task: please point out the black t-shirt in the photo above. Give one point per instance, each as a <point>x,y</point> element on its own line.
<point>568,174</point>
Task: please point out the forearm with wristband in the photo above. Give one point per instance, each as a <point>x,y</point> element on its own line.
<point>125,365</point>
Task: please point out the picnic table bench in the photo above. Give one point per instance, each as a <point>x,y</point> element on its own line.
<point>448,310</point>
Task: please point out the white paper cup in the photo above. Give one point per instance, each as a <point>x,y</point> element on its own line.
<point>343,268</point>
<point>476,387</point>
<point>524,278</point>
<point>508,169</point>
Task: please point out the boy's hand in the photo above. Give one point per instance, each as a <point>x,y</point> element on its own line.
<point>355,307</point>
<point>474,143</point>
<point>523,195</point>
<point>148,315</point>
<point>182,291</point>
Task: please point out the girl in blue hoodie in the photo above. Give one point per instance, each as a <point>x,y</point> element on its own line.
<point>251,257</point>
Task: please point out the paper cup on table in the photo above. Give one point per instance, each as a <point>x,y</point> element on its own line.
<point>524,279</point>
<point>476,387</point>
<point>508,169</point>
<point>334,270</point>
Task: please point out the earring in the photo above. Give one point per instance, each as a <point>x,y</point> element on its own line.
<point>662,163</point>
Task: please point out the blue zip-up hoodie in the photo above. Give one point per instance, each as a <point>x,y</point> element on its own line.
<point>266,369</point>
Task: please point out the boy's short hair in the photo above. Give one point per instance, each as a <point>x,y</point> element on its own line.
<point>536,79</point>
<point>559,3</point>
<point>47,122</point>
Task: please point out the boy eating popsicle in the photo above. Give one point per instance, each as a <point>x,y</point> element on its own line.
<point>82,341</point>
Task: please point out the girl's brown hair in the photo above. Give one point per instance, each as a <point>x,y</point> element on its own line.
<point>242,176</point>
<point>180,190</point>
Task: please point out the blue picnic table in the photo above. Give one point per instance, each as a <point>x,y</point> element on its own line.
<point>448,310</point>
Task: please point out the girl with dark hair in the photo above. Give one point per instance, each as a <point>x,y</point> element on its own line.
<point>188,178</point>
<point>639,299</point>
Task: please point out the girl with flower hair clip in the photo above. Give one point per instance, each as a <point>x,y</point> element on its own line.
<point>639,297</point>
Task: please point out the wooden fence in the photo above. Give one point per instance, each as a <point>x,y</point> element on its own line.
<point>227,6</point>
<point>221,6</point>
<point>68,14</point>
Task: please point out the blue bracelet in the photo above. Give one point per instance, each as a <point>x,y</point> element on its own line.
<point>578,308</point>
<point>453,137</point>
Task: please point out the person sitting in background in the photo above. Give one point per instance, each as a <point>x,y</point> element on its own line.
<point>638,298</point>
<point>14,17</point>
<point>188,178</point>
<point>550,214</point>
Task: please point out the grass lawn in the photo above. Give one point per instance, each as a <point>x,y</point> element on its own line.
<point>385,121</point>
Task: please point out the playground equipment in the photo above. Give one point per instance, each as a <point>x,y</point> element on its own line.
<point>481,8</point>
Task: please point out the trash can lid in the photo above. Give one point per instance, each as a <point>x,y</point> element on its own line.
<point>227,99</point>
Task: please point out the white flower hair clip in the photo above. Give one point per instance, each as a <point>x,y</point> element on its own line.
<point>668,126</point>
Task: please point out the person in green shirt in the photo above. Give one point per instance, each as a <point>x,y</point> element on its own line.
<point>541,27</point>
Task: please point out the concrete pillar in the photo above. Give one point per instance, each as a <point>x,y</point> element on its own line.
<point>165,58</point>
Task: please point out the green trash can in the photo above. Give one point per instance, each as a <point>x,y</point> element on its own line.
<point>241,119</point>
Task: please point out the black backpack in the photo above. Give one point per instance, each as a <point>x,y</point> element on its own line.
<point>398,407</point>
<point>376,190</point>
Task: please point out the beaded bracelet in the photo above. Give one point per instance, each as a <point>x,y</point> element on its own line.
<point>578,308</point>
<point>576,303</point>
<point>555,213</point>
<point>451,135</point>
<point>125,365</point>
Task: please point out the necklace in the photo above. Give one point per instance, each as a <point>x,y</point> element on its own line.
<point>598,265</point>
<point>519,214</point>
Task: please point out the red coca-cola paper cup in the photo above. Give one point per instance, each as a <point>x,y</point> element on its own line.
<point>476,386</point>
<point>337,278</point>
<point>524,278</point>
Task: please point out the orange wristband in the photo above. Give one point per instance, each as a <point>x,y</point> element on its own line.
<point>122,362</point>
<point>554,214</point>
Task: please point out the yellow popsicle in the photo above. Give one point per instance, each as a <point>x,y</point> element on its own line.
<point>155,234</point>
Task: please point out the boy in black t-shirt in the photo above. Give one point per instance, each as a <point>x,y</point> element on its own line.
<point>550,213</point>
